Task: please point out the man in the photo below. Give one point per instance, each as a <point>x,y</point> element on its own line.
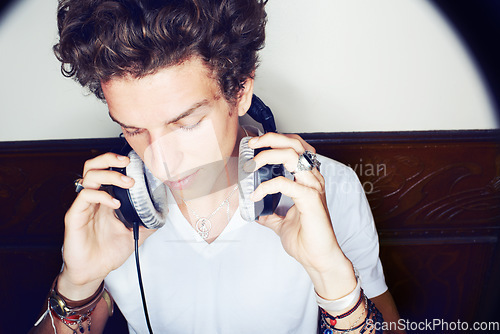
<point>176,75</point>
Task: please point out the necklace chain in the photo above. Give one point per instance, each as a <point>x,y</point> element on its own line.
<point>203,225</point>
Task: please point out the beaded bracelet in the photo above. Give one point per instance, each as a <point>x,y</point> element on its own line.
<point>328,321</point>
<point>77,319</point>
<point>375,316</point>
<point>372,313</point>
<point>332,320</point>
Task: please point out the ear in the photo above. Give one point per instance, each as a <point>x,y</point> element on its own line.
<point>245,98</point>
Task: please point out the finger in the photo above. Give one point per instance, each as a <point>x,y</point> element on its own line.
<point>95,178</point>
<point>105,161</point>
<point>306,145</point>
<point>308,179</point>
<point>289,158</point>
<point>319,177</point>
<point>311,178</point>
<point>274,222</point>
<point>275,140</point>
<point>89,197</point>
<point>302,195</point>
<point>286,156</point>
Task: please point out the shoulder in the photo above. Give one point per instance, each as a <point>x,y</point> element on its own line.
<point>329,166</point>
<point>346,198</point>
<point>339,178</point>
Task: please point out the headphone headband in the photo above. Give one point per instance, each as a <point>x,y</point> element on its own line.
<point>262,114</point>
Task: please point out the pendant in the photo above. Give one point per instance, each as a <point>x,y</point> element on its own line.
<point>203,227</point>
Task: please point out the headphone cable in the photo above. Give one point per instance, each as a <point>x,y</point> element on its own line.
<point>138,265</point>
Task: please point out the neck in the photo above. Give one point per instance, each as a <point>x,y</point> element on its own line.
<point>205,205</point>
<point>214,217</point>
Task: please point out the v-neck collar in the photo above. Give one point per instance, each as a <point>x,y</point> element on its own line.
<point>189,235</point>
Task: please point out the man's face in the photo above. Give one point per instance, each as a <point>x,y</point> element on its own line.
<point>181,126</point>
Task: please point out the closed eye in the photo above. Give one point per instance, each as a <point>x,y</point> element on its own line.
<point>132,133</point>
<point>192,126</point>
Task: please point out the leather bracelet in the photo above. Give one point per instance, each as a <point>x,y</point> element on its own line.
<point>65,307</point>
<point>109,302</point>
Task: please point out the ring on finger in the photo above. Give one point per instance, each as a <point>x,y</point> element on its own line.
<point>78,185</point>
<point>307,161</point>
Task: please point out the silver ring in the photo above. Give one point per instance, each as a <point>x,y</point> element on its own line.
<point>307,161</point>
<point>78,185</point>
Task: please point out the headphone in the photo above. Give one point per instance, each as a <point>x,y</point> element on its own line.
<point>146,202</point>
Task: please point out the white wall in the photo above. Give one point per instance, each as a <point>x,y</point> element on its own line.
<point>330,65</point>
<point>36,101</point>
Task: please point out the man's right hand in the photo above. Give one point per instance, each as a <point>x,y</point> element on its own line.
<point>95,241</point>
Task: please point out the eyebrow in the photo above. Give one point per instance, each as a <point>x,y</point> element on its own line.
<point>185,114</point>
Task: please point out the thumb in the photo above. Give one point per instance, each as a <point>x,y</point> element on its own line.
<point>273,222</point>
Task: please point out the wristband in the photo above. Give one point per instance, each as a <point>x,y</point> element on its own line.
<point>66,308</point>
<point>340,304</point>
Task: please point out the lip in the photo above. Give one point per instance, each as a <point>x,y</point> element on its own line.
<point>182,183</point>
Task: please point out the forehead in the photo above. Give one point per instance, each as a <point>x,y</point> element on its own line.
<point>174,88</point>
<point>192,72</point>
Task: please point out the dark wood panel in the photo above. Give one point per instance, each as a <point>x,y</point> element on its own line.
<point>426,184</point>
<point>36,189</point>
<point>438,281</point>
<point>435,197</point>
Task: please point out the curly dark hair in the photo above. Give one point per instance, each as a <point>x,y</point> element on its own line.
<point>102,39</point>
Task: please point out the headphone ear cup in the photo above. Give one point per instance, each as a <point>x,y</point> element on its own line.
<point>250,210</point>
<point>246,181</point>
<point>149,204</point>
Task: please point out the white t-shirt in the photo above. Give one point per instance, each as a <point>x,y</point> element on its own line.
<point>244,281</point>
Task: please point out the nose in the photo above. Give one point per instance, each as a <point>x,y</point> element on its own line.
<point>163,156</point>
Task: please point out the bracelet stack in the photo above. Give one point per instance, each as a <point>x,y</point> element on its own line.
<point>371,316</point>
<point>74,314</point>
<point>351,302</point>
<point>329,321</point>
<point>338,305</point>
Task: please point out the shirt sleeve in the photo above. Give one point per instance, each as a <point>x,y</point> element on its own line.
<point>353,224</point>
